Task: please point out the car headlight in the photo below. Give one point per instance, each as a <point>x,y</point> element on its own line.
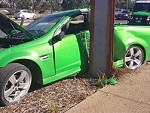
<point>130,17</point>
<point>148,18</point>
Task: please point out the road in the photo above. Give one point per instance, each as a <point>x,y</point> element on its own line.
<point>26,21</point>
<point>120,21</point>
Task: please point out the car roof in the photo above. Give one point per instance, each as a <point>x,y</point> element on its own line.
<point>143,1</point>
<point>70,12</point>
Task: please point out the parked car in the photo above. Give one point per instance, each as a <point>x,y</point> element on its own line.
<point>57,46</point>
<point>124,15</point>
<point>141,13</point>
<point>7,12</point>
<point>118,11</point>
<point>24,13</point>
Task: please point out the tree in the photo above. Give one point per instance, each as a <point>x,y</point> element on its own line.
<point>124,4</point>
<point>74,4</point>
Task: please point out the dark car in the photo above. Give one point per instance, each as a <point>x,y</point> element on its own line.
<point>124,15</point>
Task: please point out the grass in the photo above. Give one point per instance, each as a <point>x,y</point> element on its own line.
<point>103,79</point>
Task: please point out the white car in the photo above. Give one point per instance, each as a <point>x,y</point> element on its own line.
<point>24,13</point>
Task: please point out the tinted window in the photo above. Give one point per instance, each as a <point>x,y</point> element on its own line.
<point>141,7</point>
<point>17,11</point>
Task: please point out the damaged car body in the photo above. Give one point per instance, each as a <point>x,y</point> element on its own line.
<point>55,47</point>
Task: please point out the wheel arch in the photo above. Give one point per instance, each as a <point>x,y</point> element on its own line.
<point>142,47</point>
<point>34,68</point>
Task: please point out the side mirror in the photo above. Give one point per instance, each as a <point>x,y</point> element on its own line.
<point>58,37</point>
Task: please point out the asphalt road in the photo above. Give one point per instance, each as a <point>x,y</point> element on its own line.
<point>26,21</point>
<point>120,21</point>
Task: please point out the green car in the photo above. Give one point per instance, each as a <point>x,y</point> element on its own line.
<point>57,46</point>
<point>141,13</point>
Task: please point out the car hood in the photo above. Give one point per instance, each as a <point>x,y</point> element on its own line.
<point>142,13</point>
<point>7,23</point>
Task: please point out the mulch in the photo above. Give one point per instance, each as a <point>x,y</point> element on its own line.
<point>54,98</point>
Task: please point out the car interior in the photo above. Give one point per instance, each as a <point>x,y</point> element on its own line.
<point>76,25</point>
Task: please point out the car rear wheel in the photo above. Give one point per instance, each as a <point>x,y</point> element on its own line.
<point>34,17</point>
<point>15,82</point>
<point>134,57</point>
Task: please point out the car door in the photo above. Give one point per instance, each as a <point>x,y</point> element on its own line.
<point>70,50</point>
<point>67,54</point>
<point>24,13</point>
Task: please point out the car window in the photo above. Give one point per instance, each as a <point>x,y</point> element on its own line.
<point>43,25</point>
<point>76,24</point>
<point>29,12</point>
<point>125,12</point>
<point>17,11</point>
<point>141,7</point>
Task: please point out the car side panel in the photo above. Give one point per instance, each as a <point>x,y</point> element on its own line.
<point>126,36</point>
<point>42,54</point>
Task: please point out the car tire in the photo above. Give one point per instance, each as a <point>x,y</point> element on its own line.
<point>15,82</point>
<point>16,18</point>
<point>34,17</point>
<point>134,57</point>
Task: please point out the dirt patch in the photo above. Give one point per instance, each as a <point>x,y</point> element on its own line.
<point>54,98</point>
<point>122,73</point>
<point>62,95</point>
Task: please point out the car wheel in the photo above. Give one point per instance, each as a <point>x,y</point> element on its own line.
<point>15,81</point>
<point>134,57</point>
<point>16,18</point>
<point>34,17</point>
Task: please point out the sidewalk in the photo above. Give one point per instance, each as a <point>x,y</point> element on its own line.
<point>130,95</point>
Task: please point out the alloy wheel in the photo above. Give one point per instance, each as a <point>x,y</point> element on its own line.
<point>134,57</point>
<point>17,86</point>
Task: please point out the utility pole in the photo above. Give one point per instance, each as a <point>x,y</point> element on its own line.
<point>101,41</point>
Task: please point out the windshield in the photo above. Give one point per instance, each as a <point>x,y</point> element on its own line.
<point>43,25</point>
<point>125,12</point>
<point>141,7</point>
